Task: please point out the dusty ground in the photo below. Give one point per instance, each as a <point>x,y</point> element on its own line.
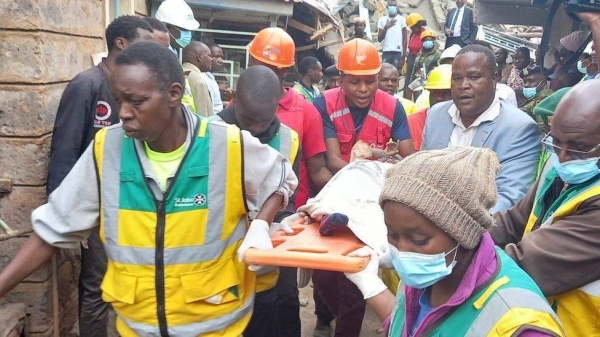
<point>370,322</point>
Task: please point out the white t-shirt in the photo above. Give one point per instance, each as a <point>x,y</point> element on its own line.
<point>506,93</point>
<point>393,36</point>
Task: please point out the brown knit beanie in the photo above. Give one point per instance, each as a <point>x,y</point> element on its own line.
<point>454,188</point>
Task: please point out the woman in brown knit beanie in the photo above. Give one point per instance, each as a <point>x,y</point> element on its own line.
<point>455,282</point>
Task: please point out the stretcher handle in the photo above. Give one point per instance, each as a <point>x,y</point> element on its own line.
<point>306,259</point>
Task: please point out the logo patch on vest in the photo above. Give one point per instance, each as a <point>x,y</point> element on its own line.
<point>198,200</point>
<point>103,112</point>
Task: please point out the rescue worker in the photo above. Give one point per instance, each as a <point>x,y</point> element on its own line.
<point>179,19</point>
<point>87,106</point>
<point>196,61</point>
<point>172,265</point>
<point>456,282</point>
<point>254,111</point>
<point>388,82</point>
<point>438,84</point>
<point>552,233</point>
<point>417,26</point>
<point>427,58</point>
<point>535,89</point>
<point>311,73</point>
<point>275,49</point>
<point>358,110</point>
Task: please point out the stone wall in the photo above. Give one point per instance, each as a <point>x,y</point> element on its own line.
<point>43,45</point>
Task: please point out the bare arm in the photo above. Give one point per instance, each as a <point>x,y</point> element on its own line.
<point>383,304</point>
<point>32,256</point>
<point>404,42</point>
<point>406,148</point>
<point>333,156</point>
<point>270,207</point>
<point>317,170</point>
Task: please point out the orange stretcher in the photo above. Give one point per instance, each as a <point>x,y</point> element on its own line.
<point>306,248</point>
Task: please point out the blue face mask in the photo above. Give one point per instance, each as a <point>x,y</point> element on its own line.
<point>530,93</point>
<point>581,68</point>
<point>421,270</point>
<point>185,37</point>
<point>576,171</point>
<point>428,44</point>
<point>392,10</point>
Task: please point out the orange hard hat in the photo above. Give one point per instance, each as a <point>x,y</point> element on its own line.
<point>273,46</point>
<point>359,57</point>
<point>428,33</point>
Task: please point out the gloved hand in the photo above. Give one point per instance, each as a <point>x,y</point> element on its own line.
<point>385,258</point>
<point>258,237</point>
<point>275,226</point>
<point>367,280</point>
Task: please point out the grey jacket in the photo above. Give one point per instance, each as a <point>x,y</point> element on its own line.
<point>513,135</point>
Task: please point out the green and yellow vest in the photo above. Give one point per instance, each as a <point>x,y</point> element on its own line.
<point>188,99</point>
<point>578,309</point>
<point>172,265</point>
<point>511,303</point>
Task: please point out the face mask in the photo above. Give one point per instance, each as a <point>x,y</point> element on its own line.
<point>421,270</point>
<point>428,44</point>
<point>530,93</point>
<point>576,171</point>
<point>581,68</point>
<point>184,39</point>
<point>392,10</point>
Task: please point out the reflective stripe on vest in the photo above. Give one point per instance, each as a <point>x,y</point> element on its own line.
<point>188,99</point>
<point>196,285</point>
<point>578,308</point>
<point>376,129</point>
<point>510,303</point>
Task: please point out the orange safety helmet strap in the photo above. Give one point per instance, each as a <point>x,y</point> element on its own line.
<point>359,57</point>
<point>273,46</point>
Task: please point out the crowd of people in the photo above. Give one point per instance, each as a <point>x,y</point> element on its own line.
<point>491,207</point>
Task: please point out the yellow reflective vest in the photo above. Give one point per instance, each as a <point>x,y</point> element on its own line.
<point>578,309</point>
<point>172,266</point>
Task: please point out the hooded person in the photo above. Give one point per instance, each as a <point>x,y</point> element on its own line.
<point>456,282</point>
<point>568,45</point>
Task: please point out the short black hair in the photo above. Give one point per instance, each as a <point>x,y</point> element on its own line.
<point>255,88</point>
<point>126,27</point>
<point>526,54</point>
<point>156,24</point>
<point>161,61</point>
<point>331,71</point>
<point>487,52</point>
<point>307,63</point>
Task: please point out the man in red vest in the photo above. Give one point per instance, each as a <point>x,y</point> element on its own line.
<point>357,110</point>
<point>275,49</point>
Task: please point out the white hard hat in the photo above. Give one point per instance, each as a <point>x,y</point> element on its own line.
<point>450,52</point>
<point>588,48</point>
<point>177,13</point>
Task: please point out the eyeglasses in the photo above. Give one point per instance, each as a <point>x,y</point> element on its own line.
<point>548,142</point>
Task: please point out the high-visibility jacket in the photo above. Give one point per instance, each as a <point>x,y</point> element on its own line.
<point>578,309</point>
<point>172,266</point>
<point>376,129</point>
<point>511,302</point>
<point>286,142</point>
<point>188,99</point>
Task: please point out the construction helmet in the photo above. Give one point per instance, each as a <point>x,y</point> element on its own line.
<point>359,57</point>
<point>273,46</point>
<point>428,33</point>
<point>439,78</point>
<point>177,13</point>
<point>413,18</point>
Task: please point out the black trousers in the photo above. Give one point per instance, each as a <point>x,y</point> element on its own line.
<point>93,311</point>
<point>454,40</point>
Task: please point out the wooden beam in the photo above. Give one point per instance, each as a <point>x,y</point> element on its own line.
<point>321,45</point>
<point>319,33</point>
<point>301,27</point>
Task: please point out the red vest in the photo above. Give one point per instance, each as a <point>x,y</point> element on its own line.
<point>376,129</point>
